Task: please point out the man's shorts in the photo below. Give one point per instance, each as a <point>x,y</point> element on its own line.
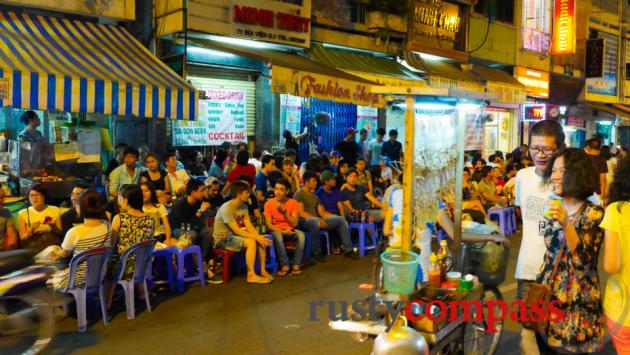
<point>231,243</point>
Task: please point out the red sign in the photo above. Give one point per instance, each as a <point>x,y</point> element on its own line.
<point>267,18</point>
<point>564,27</point>
<point>575,122</point>
<point>534,112</point>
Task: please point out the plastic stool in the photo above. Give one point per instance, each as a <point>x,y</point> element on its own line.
<point>362,228</point>
<point>163,260</point>
<point>226,256</point>
<point>308,248</point>
<point>324,234</point>
<point>503,217</point>
<point>239,257</point>
<point>193,250</point>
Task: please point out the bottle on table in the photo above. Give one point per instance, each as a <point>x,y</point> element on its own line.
<point>188,235</point>
<point>443,255</point>
<point>434,272</point>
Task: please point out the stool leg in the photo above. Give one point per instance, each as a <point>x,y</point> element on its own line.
<point>202,278</point>
<point>374,237</point>
<point>362,241</point>
<point>171,271</point>
<point>180,271</point>
<point>226,268</point>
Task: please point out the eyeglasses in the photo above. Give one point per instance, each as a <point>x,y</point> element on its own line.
<point>545,150</point>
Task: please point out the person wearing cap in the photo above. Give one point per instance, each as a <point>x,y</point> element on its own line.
<point>212,189</point>
<point>348,147</point>
<point>392,148</point>
<point>333,159</point>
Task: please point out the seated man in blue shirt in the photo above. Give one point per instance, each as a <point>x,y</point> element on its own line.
<point>127,173</point>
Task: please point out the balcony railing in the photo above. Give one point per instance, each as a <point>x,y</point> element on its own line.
<point>536,40</point>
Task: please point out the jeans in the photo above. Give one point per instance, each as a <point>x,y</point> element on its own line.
<point>199,237</point>
<point>281,250</point>
<point>335,223</point>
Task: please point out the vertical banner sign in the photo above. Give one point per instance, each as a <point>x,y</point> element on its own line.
<point>222,118</point>
<point>564,27</point>
<point>595,58</point>
<point>290,114</point>
<point>367,117</point>
<point>475,129</point>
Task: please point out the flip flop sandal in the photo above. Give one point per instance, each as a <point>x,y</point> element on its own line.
<point>260,281</point>
<point>296,271</point>
<point>283,272</point>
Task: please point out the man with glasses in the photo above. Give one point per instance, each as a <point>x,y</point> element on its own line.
<point>545,138</point>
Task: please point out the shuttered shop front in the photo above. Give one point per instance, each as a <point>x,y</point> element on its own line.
<point>229,80</point>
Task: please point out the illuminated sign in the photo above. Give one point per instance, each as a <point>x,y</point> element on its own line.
<point>564,27</point>
<point>433,24</point>
<point>267,18</point>
<point>536,82</point>
<point>534,112</point>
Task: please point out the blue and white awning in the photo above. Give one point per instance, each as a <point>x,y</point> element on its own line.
<point>47,63</point>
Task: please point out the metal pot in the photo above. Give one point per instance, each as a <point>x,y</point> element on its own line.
<point>400,340</point>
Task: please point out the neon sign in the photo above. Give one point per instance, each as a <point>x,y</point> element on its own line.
<point>564,27</point>
<point>534,112</point>
<point>535,81</point>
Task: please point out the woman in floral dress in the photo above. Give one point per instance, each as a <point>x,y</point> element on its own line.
<point>129,227</point>
<point>573,226</point>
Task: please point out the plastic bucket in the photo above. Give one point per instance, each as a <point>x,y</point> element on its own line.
<point>399,271</point>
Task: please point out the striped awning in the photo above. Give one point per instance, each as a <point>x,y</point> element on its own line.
<point>48,63</point>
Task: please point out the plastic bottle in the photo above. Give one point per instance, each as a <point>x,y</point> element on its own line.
<point>443,255</point>
<point>434,272</point>
<point>188,235</point>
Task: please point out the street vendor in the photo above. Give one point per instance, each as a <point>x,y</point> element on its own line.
<point>30,132</point>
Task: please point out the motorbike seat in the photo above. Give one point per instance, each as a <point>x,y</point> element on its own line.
<point>14,260</point>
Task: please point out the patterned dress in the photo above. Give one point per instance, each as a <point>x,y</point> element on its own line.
<point>576,284</point>
<point>132,231</point>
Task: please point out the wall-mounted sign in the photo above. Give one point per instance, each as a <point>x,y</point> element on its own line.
<point>222,118</point>
<point>574,121</point>
<point>5,86</point>
<point>433,24</point>
<point>606,85</point>
<point>564,27</point>
<point>277,21</point>
<point>323,87</point>
<point>595,58</point>
<point>534,112</point>
<point>536,82</point>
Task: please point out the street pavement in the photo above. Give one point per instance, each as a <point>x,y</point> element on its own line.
<point>238,318</point>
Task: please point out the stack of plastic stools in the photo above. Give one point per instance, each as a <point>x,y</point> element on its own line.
<point>163,260</point>
<point>362,228</point>
<point>505,218</point>
<point>183,266</point>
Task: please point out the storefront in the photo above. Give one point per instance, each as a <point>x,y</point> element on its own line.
<point>81,78</point>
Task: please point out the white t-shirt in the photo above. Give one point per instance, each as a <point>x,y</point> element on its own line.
<point>531,195</point>
<point>157,213</point>
<point>81,237</point>
<point>179,180</point>
<point>256,163</point>
<point>30,216</point>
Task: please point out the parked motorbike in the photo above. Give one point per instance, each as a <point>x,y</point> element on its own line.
<point>26,304</point>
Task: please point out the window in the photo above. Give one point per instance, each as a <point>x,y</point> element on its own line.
<point>537,25</point>
<point>497,10</point>
<point>357,11</point>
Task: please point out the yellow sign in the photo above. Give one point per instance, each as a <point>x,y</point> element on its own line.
<point>536,81</point>
<point>5,88</point>
<point>506,93</point>
<point>435,24</point>
<point>564,27</point>
<point>323,87</point>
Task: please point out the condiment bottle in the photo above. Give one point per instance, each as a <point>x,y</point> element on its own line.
<point>434,272</point>
<point>442,254</point>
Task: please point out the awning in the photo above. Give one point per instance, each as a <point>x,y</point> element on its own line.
<point>378,69</point>
<point>500,84</point>
<point>610,109</point>
<point>47,63</point>
<point>295,74</point>
<point>447,75</point>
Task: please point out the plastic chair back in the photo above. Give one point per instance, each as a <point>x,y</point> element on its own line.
<point>143,252</point>
<point>95,261</point>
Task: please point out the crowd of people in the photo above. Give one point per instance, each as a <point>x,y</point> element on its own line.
<point>239,202</point>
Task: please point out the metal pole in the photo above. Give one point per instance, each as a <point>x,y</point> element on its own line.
<point>457,215</point>
<point>407,181</point>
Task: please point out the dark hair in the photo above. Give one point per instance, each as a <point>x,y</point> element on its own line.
<point>466,170</point>
<point>509,168</point>
<point>192,186</point>
<point>28,116</point>
<point>151,188</point>
<point>580,179</point>
<point>476,160</point>
<point>266,159</point>
<point>290,153</point>
<point>593,143</point>
<point>308,175</point>
<point>121,145</point>
<point>278,157</point>
<point>363,131</point>
<point>131,150</point>
<point>491,158</point>
<point>485,171</point>
<point>548,128</point>
<point>40,189</point>
<point>499,154</point>
<point>238,187</point>
<point>519,166</point>
<point>620,187</point>
<point>285,183</point>
<point>342,162</point>
<point>82,184</point>
<point>287,161</point>
<point>393,132</point>
<point>351,170</point>
<point>275,176</point>
<point>605,152</point>
<point>247,178</point>
<point>152,155</point>
<point>91,205</point>
<point>168,155</point>
<point>256,153</point>
<point>360,158</point>
<point>508,156</point>
<point>381,131</point>
<point>314,162</point>
<point>220,157</point>
<point>133,195</point>
<point>242,157</point>
<point>287,135</point>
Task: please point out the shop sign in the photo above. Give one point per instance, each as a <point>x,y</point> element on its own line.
<point>5,88</point>
<point>506,93</point>
<point>563,27</point>
<point>606,85</point>
<point>433,23</point>
<point>222,118</point>
<point>367,118</point>
<point>323,87</point>
<point>534,112</point>
<point>536,82</point>
<point>575,122</point>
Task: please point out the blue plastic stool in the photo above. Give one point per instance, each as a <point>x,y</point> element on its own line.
<point>308,247</point>
<point>183,266</point>
<point>163,260</point>
<point>271,264</point>
<point>362,228</point>
<point>324,234</point>
<point>505,218</point>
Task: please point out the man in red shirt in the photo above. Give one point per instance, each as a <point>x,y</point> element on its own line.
<point>281,216</point>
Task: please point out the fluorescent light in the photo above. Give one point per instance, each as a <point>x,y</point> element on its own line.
<point>467,106</point>
<point>431,57</point>
<point>563,110</point>
<point>605,123</point>
<point>241,42</point>
<point>433,107</point>
<point>406,65</point>
<point>210,52</point>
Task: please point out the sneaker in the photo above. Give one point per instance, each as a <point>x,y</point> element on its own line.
<point>351,254</point>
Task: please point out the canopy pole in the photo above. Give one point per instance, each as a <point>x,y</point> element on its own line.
<point>459,176</point>
<point>407,180</point>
